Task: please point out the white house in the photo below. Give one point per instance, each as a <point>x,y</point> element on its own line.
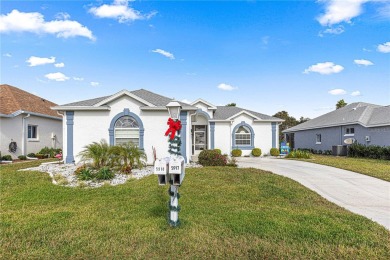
<point>141,116</point>
<point>28,122</point>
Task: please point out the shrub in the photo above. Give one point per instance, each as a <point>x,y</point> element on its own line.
<point>32,155</point>
<point>218,150</point>
<point>6,157</point>
<point>371,151</point>
<point>256,152</point>
<point>50,152</point>
<point>236,152</point>
<point>22,157</point>
<point>41,156</point>
<point>299,154</point>
<point>128,156</point>
<point>105,174</point>
<point>84,174</point>
<point>274,152</point>
<point>212,158</point>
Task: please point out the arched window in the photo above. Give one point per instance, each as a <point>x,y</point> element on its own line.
<point>243,136</point>
<point>126,130</point>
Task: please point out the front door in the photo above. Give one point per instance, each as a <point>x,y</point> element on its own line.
<point>199,138</point>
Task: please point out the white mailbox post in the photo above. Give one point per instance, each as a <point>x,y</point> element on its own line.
<point>172,169</point>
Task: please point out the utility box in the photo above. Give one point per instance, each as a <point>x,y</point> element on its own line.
<point>161,170</point>
<point>339,150</point>
<point>176,170</point>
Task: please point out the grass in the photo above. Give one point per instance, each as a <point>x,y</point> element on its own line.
<point>372,167</point>
<point>226,213</point>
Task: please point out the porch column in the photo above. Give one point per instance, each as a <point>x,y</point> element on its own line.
<point>69,137</point>
<point>212,132</point>
<point>183,134</point>
<point>273,134</point>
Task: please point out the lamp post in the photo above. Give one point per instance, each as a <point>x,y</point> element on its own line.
<point>172,168</point>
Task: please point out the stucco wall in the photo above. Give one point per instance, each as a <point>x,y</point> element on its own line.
<point>92,126</point>
<point>12,128</point>
<point>262,138</point>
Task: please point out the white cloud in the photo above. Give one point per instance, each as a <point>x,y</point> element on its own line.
<point>186,101</point>
<point>62,16</point>
<point>119,10</point>
<point>94,83</point>
<point>324,68</point>
<point>36,61</point>
<point>337,91</point>
<point>57,76</point>
<point>363,62</point>
<point>385,47</point>
<point>226,87</point>
<point>338,11</point>
<point>8,55</point>
<point>164,53</point>
<point>337,30</point>
<point>16,21</point>
<point>355,93</point>
<point>78,78</point>
<point>59,65</point>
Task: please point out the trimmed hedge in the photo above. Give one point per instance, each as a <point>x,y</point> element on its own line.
<point>236,152</point>
<point>370,151</point>
<point>256,152</point>
<point>212,158</point>
<point>218,150</point>
<point>274,152</point>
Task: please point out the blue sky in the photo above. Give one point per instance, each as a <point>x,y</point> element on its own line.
<point>267,56</point>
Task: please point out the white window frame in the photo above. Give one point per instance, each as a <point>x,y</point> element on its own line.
<point>36,132</point>
<point>131,132</point>
<point>349,130</point>
<point>318,138</point>
<point>241,139</point>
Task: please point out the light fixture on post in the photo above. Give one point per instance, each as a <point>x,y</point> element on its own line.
<point>172,169</point>
<point>174,108</point>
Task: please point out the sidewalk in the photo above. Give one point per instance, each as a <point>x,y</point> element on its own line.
<point>361,194</point>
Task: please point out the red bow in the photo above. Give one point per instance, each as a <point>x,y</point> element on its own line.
<point>174,126</point>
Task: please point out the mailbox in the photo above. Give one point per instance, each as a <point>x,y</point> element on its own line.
<point>161,170</point>
<point>176,170</point>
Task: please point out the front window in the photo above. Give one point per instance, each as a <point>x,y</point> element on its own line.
<point>32,132</point>
<point>318,138</point>
<point>349,131</point>
<point>243,136</point>
<point>126,130</point>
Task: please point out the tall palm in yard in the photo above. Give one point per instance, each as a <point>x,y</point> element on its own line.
<point>98,152</point>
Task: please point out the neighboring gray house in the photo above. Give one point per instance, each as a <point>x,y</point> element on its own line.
<point>367,124</point>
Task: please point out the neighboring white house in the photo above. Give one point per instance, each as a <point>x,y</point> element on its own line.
<point>27,121</point>
<point>141,116</point>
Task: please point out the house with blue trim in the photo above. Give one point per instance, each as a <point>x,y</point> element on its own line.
<point>365,123</point>
<point>140,116</point>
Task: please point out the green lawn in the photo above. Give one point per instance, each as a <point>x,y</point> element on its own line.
<point>376,168</point>
<point>226,213</point>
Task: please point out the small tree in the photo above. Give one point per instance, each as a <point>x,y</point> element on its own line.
<point>341,103</point>
<point>231,105</point>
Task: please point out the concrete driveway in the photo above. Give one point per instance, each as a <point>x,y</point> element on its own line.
<point>361,194</point>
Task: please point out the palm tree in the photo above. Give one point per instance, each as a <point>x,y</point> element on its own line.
<point>98,152</point>
<point>131,156</point>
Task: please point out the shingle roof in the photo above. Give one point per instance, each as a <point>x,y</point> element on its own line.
<point>153,98</point>
<point>13,99</point>
<point>354,113</point>
<point>225,112</point>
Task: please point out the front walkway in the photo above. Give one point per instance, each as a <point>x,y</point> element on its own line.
<point>361,194</point>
